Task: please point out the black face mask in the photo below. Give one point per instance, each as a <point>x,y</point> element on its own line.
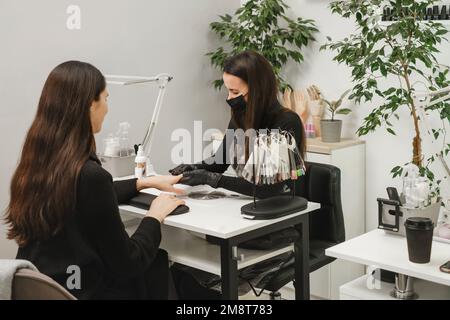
<point>238,103</point>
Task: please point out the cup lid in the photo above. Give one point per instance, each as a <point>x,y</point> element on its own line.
<point>419,223</point>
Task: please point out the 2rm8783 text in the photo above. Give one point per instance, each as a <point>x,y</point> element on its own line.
<point>242,309</point>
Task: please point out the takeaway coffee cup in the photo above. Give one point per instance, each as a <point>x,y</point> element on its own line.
<point>419,236</point>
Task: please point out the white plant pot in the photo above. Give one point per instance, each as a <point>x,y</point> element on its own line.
<point>331,130</point>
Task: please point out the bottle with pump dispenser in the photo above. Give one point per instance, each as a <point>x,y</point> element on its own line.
<point>141,163</point>
<point>125,149</point>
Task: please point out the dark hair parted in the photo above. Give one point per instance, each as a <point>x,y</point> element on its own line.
<point>57,145</point>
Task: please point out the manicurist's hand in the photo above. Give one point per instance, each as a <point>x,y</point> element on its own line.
<point>182,168</point>
<point>162,206</point>
<point>163,183</point>
<point>201,176</point>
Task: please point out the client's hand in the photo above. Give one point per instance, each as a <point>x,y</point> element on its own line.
<point>163,183</point>
<point>162,206</point>
<point>182,168</point>
<point>201,176</point>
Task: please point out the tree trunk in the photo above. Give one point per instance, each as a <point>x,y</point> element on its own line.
<point>417,151</point>
<point>417,141</point>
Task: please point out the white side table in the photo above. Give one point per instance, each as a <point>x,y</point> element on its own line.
<point>390,252</point>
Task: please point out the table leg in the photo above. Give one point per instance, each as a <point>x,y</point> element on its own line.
<point>301,248</point>
<point>229,272</point>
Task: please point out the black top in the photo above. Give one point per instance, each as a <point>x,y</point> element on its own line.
<point>112,264</point>
<point>277,118</point>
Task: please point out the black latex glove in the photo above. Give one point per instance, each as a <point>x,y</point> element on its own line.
<point>182,168</point>
<point>201,176</point>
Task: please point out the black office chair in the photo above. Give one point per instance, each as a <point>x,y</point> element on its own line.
<point>322,184</point>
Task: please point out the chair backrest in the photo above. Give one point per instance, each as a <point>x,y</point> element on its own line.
<point>322,184</point>
<point>33,285</point>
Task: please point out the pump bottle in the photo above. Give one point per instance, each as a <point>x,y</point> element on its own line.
<point>141,163</point>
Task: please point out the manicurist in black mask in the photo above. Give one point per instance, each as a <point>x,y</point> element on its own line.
<point>238,103</point>
<point>253,99</point>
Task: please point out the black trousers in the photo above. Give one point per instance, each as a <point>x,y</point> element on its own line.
<point>159,280</point>
<point>154,283</point>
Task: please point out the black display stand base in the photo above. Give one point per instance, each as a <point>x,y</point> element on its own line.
<point>274,207</point>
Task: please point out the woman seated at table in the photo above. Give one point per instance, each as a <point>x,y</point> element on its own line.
<point>63,212</point>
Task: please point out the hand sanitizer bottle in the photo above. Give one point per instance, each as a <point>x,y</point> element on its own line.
<point>141,164</point>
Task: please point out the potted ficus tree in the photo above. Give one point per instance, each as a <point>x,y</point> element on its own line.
<point>263,26</point>
<point>331,128</point>
<point>388,60</point>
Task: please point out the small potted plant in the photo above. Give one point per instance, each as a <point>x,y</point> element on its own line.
<point>331,128</point>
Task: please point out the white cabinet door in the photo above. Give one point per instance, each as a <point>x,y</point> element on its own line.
<point>319,282</point>
<point>318,157</point>
<point>326,281</point>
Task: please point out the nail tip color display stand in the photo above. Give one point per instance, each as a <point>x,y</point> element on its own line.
<point>269,167</point>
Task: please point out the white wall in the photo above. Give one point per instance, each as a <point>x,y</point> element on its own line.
<point>383,151</point>
<point>137,37</point>
<point>145,37</point>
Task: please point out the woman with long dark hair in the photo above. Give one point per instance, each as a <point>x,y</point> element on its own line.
<point>252,96</point>
<point>63,211</point>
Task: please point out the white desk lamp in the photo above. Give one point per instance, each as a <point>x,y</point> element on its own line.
<point>162,80</point>
<point>422,101</point>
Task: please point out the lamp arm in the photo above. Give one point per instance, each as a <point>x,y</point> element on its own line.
<point>435,102</point>
<point>422,99</point>
<point>163,80</point>
<point>433,93</point>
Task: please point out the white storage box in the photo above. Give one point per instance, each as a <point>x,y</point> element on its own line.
<point>118,166</point>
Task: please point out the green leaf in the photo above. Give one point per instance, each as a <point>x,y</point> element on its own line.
<point>344,111</point>
<point>383,69</point>
<point>218,84</point>
<point>390,131</point>
<point>327,102</point>
<point>389,91</point>
<point>395,169</point>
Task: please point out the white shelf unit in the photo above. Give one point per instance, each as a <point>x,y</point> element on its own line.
<point>390,252</point>
<point>191,250</point>
<point>382,250</point>
<point>349,156</point>
<point>358,290</point>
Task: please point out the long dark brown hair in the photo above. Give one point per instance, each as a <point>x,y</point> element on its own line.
<point>57,145</point>
<point>257,72</point>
